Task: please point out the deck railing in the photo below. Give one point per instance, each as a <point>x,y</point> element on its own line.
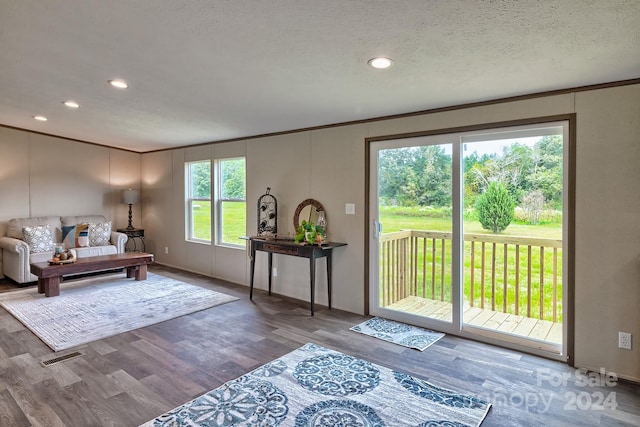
<point>515,275</point>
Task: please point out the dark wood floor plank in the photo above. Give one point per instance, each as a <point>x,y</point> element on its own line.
<point>11,414</point>
<point>130,378</point>
<point>139,392</point>
<point>37,411</point>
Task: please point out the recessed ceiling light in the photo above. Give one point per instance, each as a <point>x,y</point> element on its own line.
<point>120,84</point>
<point>380,62</point>
<point>71,104</point>
<point>40,118</point>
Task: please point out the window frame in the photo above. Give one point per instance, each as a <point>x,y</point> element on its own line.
<point>190,199</point>
<point>218,213</point>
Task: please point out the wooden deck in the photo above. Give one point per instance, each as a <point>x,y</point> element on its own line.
<point>527,327</point>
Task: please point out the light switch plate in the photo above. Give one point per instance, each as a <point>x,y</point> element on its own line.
<point>350,208</point>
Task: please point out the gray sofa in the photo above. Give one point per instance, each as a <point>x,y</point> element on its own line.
<point>17,255</point>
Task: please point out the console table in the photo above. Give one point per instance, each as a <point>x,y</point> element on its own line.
<point>289,247</point>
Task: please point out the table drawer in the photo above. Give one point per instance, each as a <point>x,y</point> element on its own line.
<point>279,249</point>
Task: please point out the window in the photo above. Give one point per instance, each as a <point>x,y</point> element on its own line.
<point>231,206</point>
<point>198,182</point>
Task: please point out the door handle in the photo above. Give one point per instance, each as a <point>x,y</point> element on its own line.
<point>377,229</point>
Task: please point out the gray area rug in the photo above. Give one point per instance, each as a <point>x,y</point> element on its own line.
<point>398,333</point>
<point>314,386</point>
<point>91,309</point>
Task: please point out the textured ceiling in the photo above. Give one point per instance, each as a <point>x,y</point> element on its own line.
<point>210,70</point>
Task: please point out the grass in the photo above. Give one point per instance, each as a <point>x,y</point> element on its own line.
<point>396,222</point>
<point>392,221</point>
<point>233,219</point>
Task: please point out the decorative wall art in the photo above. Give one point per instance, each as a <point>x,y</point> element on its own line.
<point>267,215</point>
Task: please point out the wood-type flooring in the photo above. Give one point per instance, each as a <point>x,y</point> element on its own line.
<point>131,378</point>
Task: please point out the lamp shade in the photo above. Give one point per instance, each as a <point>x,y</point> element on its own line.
<point>130,196</point>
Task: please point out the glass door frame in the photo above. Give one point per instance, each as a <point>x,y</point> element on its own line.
<point>372,306</point>
<point>456,224</point>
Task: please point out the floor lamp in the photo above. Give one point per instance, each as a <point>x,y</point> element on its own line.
<point>130,197</point>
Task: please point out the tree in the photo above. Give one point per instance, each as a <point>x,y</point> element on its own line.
<point>415,176</point>
<point>533,204</point>
<point>201,180</point>
<point>547,174</point>
<point>435,177</point>
<point>233,179</point>
<point>395,174</point>
<point>495,208</point>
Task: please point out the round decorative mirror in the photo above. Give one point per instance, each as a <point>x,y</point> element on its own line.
<point>308,211</point>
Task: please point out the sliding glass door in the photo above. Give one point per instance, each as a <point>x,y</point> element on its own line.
<point>468,233</point>
<point>414,228</point>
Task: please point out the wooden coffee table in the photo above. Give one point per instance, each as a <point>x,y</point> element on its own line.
<point>50,276</point>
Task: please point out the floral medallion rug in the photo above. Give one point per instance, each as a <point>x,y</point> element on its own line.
<point>91,309</point>
<point>398,333</point>
<point>315,386</point>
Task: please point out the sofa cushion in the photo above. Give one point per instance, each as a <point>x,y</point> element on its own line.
<point>82,219</point>
<point>76,236</point>
<point>39,238</point>
<point>100,233</point>
<point>41,257</point>
<point>14,226</point>
<point>96,251</point>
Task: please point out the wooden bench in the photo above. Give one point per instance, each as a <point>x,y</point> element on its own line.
<point>50,276</point>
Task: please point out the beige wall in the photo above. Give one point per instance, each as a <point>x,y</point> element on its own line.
<point>329,165</point>
<point>608,228</point>
<point>42,175</point>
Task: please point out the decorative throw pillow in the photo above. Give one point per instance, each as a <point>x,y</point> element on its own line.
<point>39,238</point>
<point>76,236</point>
<point>100,234</point>
<point>69,236</point>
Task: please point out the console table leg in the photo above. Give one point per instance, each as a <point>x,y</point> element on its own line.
<point>252,268</point>
<point>312,273</point>
<point>270,270</point>
<point>329,278</point>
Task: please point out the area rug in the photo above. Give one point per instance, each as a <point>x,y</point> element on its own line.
<point>315,386</point>
<point>91,309</point>
<point>398,333</point>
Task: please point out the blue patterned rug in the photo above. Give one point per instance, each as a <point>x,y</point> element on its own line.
<point>398,333</point>
<point>317,387</point>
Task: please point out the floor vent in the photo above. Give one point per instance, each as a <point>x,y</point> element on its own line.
<point>61,358</point>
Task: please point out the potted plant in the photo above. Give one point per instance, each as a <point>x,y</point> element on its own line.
<point>310,233</point>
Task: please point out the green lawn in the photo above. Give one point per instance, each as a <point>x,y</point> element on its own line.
<point>235,226</point>
<point>396,222</point>
<point>234,220</point>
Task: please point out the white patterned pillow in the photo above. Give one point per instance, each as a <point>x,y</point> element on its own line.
<point>100,234</point>
<point>39,238</point>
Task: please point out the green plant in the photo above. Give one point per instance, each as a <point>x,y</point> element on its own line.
<point>495,208</point>
<point>309,231</point>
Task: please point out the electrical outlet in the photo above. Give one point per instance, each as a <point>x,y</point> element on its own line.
<point>166,250</point>
<point>624,340</point>
<point>275,272</point>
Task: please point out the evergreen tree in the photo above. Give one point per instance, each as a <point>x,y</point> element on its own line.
<point>495,208</point>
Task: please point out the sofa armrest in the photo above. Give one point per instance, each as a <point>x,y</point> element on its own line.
<point>15,259</point>
<point>12,245</point>
<point>119,240</point>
